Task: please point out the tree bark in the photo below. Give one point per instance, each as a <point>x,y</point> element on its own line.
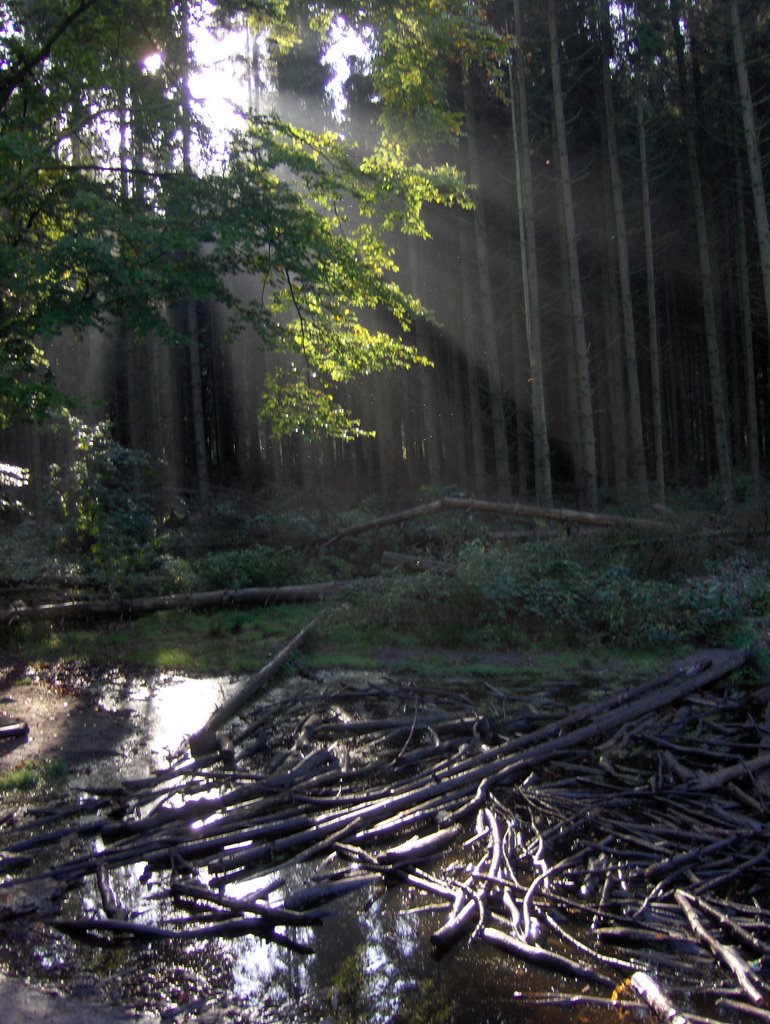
<point>527,233</point>
<point>652,307</point>
<point>747,341</point>
<point>491,357</point>
<point>716,385</point>
<point>133,607</point>
<point>589,484</point>
<point>472,347</point>
<point>193,332</point>
<point>638,466</point>
<point>753,154</point>
<point>616,384</point>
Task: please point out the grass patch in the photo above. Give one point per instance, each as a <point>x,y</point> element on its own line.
<point>235,641</point>
<point>30,775</point>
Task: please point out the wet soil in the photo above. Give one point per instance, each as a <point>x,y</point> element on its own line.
<point>66,723</point>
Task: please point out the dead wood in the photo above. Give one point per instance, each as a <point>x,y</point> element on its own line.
<point>746,977</point>
<point>14,729</point>
<point>205,740</point>
<point>514,509</point>
<point>127,608</point>
<point>534,953</point>
<point>585,851</point>
<point>646,986</point>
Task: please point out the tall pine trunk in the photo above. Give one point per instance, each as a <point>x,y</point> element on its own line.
<point>488,326</point>
<point>652,306</point>
<point>193,330</point>
<point>638,466</point>
<point>754,158</point>
<point>472,360</point>
<point>527,234</point>
<point>588,482</point>
<point>747,339</point>
<point>716,384</point>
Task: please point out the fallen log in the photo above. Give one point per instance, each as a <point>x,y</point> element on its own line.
<point>645,986</point>
<point>562,515</point>
<point>547,957</point>
<point>732,959</point>
<point>14,729</point>
<point>91,928</point>
<point>205,740</point>
<point>128,608</point>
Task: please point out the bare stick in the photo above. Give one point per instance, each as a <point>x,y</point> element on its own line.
<point>729,956</point>
<point>646,987</point>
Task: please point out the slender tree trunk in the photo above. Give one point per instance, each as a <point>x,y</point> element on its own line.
<point>652,307</point>
<point>492,359</point>
<point>588,485</point>
<point>754,157</point>
<point>193,331</point>
<point>472,347</point>
<point>716,385</point>
<point>638,466</point>
<point>429,379</point>
<point>569,375</point>
<point>616,385</point>
<point>520,375</point>
<point>527,233</point>
<point>747,339</point>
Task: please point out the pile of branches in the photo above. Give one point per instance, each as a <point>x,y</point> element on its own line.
<point>624,842</point>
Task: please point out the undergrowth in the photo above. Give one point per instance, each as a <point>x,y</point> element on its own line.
<point>551,594</point>
<point>629,591</point>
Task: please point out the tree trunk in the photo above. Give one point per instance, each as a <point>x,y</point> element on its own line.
<point>747,340</point>
<point>616,385</point>
<point>652,309</point>
<point>470,336</point>
<point>638,467</point>
<point>491,357</point>
<point>527,232</point>
<point>753,155</point>
<point>588,485</point>
<point>716,385</point>
<point>428,379</point>
<point>193,332</point>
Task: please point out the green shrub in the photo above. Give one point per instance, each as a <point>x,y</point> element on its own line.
<point>258,566</point>
<point>102,506</point>
<point>535,594</point>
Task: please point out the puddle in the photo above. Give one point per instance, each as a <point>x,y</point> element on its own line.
<point>166,708</point>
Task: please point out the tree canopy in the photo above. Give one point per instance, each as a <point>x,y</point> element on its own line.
<point>106,217</point>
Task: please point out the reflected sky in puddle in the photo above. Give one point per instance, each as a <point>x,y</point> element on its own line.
<point>167,708</point>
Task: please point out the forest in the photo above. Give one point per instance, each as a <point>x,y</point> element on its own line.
<point>522,250</point>
<point>384,511</point>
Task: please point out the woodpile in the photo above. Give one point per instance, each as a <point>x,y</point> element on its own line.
<point>624,842</point>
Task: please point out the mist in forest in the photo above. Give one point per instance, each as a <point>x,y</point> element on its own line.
<point>598,322</point>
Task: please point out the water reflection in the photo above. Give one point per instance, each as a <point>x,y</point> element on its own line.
<point>166,709</point>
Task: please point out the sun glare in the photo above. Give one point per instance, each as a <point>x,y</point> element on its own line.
<point>153,63</point>
<point>219,85</point>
